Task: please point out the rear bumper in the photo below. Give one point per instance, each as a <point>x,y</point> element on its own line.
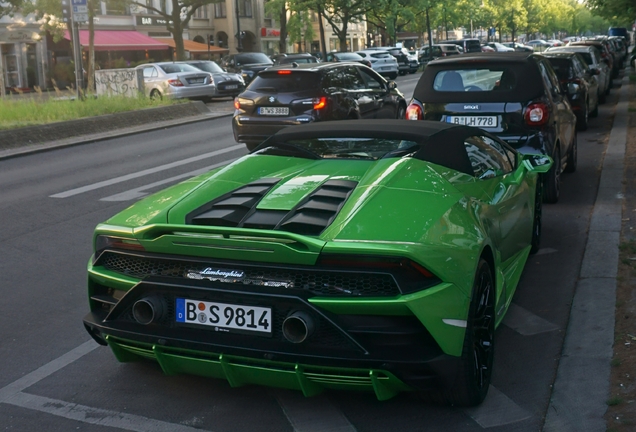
<point>251,129</point>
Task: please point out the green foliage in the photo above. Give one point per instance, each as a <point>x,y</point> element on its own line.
<point>619,13</point>
<point>39,109</point>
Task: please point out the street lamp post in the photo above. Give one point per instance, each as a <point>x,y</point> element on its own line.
<point>239,47</point>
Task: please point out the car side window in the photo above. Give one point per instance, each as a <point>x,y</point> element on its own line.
<point>549,83</point>
<point>371,81</point>
<point>148,72</point>
<point>507,156</point>
<point>353,80</point>
<point>485,160</point>
<point>335,78</point>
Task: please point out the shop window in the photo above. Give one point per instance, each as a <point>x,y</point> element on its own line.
<point>220,10</point>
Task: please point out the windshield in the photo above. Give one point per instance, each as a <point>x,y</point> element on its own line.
<point>171,68</point>
<point>252,58</point>
<point>285,83</point>
<point>208,66</point>
<point>352,148</point>
<point>484,79</point>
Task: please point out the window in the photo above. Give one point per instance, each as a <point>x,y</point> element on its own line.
<point>486,160</point>
<point>245,8</point>
<point>353,80</point>
<point>475,80</point>
<point>372,81</point>
<point>150,72</point>
<point>219,10</point>
<point>508,159</point>
<point>114,7</point>
<point>201,12</point>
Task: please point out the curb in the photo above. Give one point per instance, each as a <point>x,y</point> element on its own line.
<point>118,133</point>
<point>579,397</point>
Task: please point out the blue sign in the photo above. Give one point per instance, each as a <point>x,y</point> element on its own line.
<point>79,2</point>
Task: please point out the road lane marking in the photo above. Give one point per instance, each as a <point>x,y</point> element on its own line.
<point>315,414</point>
<point>48,369</point>
<point>140,192</point>
<point>497,410</point>
<point>525,322</point>
<point>96,416</point>
<point>145,172</point>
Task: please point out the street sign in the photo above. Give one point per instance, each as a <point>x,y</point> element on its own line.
<point>79,2</point>
<point>80,17</point>
<point>80,9</point>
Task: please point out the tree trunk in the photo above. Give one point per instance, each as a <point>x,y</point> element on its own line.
<point>177,35</point>
<point>3,91</point>
<point>428,31</point>
<point>321,27</point>
<point>282,41</point>
<point>91,48</point>
<point>342,36</point>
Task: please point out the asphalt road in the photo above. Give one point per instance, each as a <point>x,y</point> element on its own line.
<point>53,378</point>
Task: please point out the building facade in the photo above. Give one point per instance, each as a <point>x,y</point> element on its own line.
<point>23,54</point>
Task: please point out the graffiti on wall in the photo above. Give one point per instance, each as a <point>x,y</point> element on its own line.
<point>118,82</point>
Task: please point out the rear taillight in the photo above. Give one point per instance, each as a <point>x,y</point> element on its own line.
<point>536,114</point>
<point>284,72</point>
<point>175,83</point>
<point>414,112</point>
<point>107,242</point>
<point>320,103</point>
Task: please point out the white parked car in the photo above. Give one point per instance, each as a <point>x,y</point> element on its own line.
<point>500,47</point>
<point>382,62</point>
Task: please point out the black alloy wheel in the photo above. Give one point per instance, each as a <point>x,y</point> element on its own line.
<point>401,112</point>
<point>475,371</point>
<point>552,179</point>
<point>537,218</point>
<point>572,155</point>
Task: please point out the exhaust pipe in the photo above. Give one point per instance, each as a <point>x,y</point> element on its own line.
<point>298,326</point>
<point>149,309</point>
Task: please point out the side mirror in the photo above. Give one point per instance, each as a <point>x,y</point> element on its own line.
<point>573,88</point>
<point>392,85</point>
<point>537,163</point>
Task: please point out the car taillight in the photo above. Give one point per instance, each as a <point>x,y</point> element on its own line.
<point>106,242</point>
<point>175,83</point>
<point>414,112</point>
<point>284,72</point>
<point>320,103</point>
<point>237,104</point>
<point>536,114</point>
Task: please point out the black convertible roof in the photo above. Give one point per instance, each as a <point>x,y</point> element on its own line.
<point>440,143</point>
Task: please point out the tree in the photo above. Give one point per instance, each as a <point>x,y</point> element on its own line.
<point>178,17</point>
<point>279,9</point>
<point>618,12</point>
<point>340,13</point>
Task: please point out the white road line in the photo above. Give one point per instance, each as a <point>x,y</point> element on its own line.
<point>525,322</point>
<point>139,192</point>
<point>315,414</point>
<point>497,410</point>
<point>154,170</point>
<point>44,371</point>
<point>95,416</point>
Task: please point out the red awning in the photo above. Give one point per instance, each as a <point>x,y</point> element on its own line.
<point>119,40</point>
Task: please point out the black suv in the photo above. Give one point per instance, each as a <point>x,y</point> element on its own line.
<point>291,95</point>
<point>402,57</point>
<point>246,64</point>
<point>517,97</point>
<point>468,45</point>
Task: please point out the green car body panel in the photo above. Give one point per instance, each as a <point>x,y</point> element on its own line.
<point>459,219</point>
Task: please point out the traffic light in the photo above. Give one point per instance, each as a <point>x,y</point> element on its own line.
<point>66,11</point>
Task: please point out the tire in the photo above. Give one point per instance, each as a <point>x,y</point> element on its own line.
<point>583,119</point>
<point>155,94</point>
<point>252,145</point>
<point>552,180</point>
<point>537,218</point>
<point>572,156</point>
<point>401,112</point>
<point>474,372</point>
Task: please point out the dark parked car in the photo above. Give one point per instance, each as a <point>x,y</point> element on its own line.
<point>346,56</point>
<point>579,83</point>
<point>518,47</point>
<point>227,84</point>
<point>402,57</point>
<point>439,50</point>
<point>299,58</point>
<point>468,45</point>
<point>285,96</point>
<point>516,96</point>
<point>246,64</point>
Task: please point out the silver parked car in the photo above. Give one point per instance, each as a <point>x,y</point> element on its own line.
<point>382,62</point>
<point>227,84</point>
<point>593,58</point>
<point>177,80</point>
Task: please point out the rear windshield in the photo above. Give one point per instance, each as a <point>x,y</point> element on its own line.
<point>562,67</point>
<point>475,80</point>
<point>381,55</point>
<point>352,148</point>
<point>208,66</point>
<point>347,56</point>
<point>473,45</point>
<point>252,58</point>
<point>178,67</point>
<point>285,83</point>
<point>299,60</point>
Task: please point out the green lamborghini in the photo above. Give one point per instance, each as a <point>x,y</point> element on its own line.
<point>370,255</point>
